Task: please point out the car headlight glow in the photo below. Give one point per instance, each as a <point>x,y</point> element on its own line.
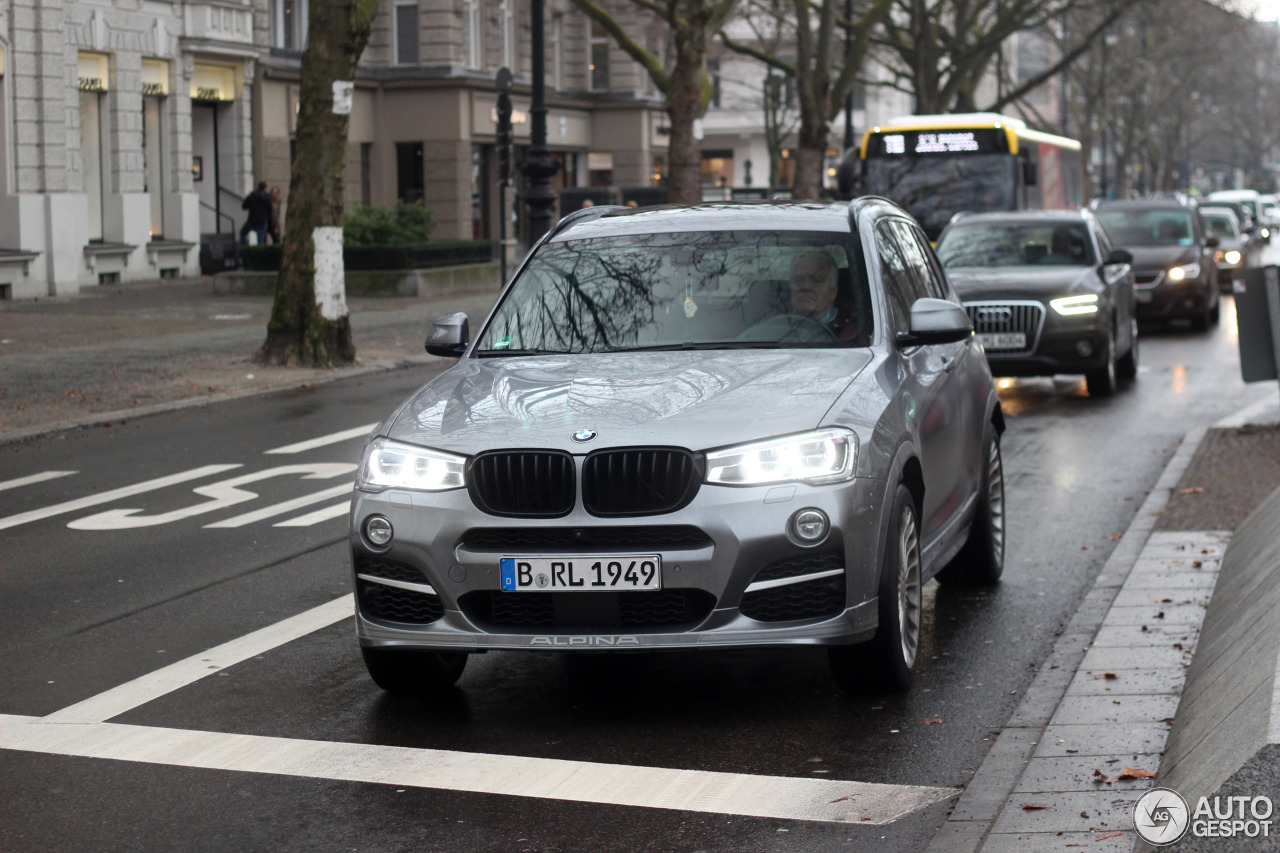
<point>1232,257</point>
<point>821,456</point>
<point>1191,270</point>
<point>1086,303</point>
<point>390,465</point>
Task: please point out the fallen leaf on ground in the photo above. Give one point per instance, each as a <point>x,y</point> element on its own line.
<point>1031,807</point>
<point>1106,835</point>
<point>931,721</point>
<point>839,799</point>
<point>1101,778</point>
<point>1194,490</point>
<point>1116,536</point>
<point>1138,773</point>
<point>1109,676</point>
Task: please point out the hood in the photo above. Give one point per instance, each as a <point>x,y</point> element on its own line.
<point>697,400</point>
<point>1153,258</point>
<point>973,283</point>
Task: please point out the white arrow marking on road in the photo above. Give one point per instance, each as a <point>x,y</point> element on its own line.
<point>288,506</point>
<point>113,495</point>
<point>784,797</point>
<point>335,511</point>
<point>334,438</point>
<point>35,478</point>
<point>222,495</point>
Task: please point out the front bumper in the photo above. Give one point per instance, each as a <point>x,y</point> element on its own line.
<point>1061,349</point>
<point>445,545</point>
<point>1169,299</point>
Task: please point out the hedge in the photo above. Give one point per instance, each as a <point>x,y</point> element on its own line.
<point>439,254</point>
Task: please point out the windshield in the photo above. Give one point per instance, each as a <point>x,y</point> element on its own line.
<point>933,189</point>
<point>1002,244</point>
<point>686,290</point>
<point>1148,227</point>
<point>1220,225</point>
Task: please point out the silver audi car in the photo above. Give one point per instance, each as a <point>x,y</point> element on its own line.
<point>726,425</point>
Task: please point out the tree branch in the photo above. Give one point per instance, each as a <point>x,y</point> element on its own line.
<point>755,53</point>
<point>633,48</point>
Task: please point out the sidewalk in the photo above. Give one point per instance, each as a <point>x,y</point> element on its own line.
<point>125,350</point>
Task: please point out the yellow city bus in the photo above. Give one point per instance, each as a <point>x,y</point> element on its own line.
<point>937,166</point>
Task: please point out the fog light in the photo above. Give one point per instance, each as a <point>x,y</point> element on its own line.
<point>1084,348</point>
<point>378,529</point>
<point>810,526</point>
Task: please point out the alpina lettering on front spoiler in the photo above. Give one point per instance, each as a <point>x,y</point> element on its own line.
<point>584,641</point>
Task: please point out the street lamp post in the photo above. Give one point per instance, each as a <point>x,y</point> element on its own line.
<point>538,167</point>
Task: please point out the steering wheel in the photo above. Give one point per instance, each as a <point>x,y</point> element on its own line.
<point>788,328</point>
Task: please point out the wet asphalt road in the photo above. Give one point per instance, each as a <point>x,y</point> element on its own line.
<point>82,611</point>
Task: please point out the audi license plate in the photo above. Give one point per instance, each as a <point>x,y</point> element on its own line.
<point>1142,295</point>
<point>1003,340</point>
<point>581,574</point>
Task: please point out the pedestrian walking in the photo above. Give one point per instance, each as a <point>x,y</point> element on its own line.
<point>258,203</point>
<point>274,232</point>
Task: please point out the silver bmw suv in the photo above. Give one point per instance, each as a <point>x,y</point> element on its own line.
<point>752,424</point>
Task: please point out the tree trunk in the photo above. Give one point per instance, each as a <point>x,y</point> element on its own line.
<point>309,325</point>
<point>811,158</point>
<point>684,106</point>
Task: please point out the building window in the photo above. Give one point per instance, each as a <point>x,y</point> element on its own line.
<point>366,173</point>
<point>153,160</point>
<point>406,34</point>
<point>717,168</point>
<point>557,42</point>
<point>289,24</point>
<point>508,12</point>
<point>475,33</point>
<point>410,185</point>
<point>713,71</point>
<point>599,67</point>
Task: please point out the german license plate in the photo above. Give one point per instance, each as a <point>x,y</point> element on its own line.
<point>581,574</point>
<point>1003,340</point>
<point>1142,296</point>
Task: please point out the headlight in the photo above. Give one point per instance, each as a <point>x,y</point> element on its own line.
<point>1232,257</point>
<point>822,456</point>
<point>1067,305</point>
<point>391,465</point>
<point>1191,270</point>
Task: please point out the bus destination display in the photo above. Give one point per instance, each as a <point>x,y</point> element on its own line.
<point>924,142</point>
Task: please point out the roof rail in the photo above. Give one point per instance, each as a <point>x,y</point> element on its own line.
<point>581,215</point>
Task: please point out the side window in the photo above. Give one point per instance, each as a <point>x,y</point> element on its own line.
<point>896,274</point>
<point>1104,243</point>
<point>931,274</point>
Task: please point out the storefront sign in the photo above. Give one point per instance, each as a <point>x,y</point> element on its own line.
<point>92,72</point>
<point>155,77</point>
<point>213,83</point>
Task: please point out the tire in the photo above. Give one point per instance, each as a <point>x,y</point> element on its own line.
<point>413,672</point>
<point>889,660</point>
<point>1102,382</point>
<point>981,560</point>
<point>1201,322</point>
<point>1215,313</point>
<point>1127,366</point>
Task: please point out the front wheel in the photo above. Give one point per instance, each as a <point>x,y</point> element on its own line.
<point>981,560</point>
<point>889,660</point>
<point>1102,382</point>
<point>413,672</point>
<point>1127,366</point>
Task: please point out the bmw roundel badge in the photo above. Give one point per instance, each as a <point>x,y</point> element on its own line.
<point>584,435</point>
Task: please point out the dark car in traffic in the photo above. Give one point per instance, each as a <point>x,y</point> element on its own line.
<point>1175,275</point>
<point>1047,294</point>
<point>1234,247</point>
<point>719,426</point>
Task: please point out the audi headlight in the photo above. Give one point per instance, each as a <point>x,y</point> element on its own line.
<point>821,456</point>
<point>390,465</point>
<point>1067,305</point>
<point>1232,257</point>
<point>1191,270</point>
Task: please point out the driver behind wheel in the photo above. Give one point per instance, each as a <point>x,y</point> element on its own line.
<point>813,294</point>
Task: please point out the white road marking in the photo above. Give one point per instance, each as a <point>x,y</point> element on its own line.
<point>335,511</point>
<point>780,797</point>
<point>324,440</point>
<point>221,495</point>
<point>153,685</point>
<point>289,506</point>
<point>113,495</point>
<point>35,478</point>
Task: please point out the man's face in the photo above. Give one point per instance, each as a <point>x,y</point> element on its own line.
<point>813,284</point>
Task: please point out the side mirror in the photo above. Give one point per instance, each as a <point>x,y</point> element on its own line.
<point>1030,174</point>
<point>1118,256</point>
<point>936,321</point>
<point>449,335</point>
<point>1212,242</point>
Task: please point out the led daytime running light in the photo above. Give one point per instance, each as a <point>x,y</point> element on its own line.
<point>391,465</point>
<point>822,456</point>
<point>1069,305</point>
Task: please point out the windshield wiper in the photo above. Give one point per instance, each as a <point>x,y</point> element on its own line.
<point>489,353</point>
<point>700,345</point>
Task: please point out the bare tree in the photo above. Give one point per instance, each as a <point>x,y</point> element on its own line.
<point>686,86</point>
<point>310,325</point>
<point>824,70</point>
